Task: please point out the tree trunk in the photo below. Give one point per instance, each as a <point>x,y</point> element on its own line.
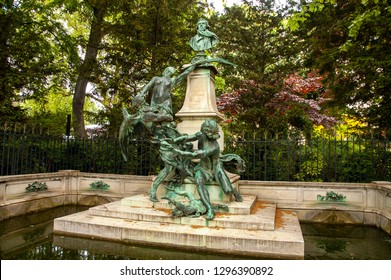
<point>86,69</point>
<point>6,93</point>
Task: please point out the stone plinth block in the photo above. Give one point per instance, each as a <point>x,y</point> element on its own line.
<point>200,103</point>
<point>262,231</point>
<point>154,227</point>
<point>216,194</point>
<point>200,97</point>
<point>262,219</point>
<point>235,208</point>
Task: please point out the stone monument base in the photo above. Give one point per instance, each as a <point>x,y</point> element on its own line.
<point>216,193</point>
<point>249,228</point>
<point>200,103</point>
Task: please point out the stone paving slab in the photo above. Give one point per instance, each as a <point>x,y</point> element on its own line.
<point>262,219</point>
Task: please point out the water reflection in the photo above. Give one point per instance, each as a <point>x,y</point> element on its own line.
<point>347,242</point>
<point>30,237</point>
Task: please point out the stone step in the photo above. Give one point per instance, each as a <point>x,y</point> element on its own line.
<point>238,208</point>
<point>262,218</point>
<point>285,241</point>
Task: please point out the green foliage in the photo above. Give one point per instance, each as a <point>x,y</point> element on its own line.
<point>311,168</point>
<point>43,43</point>
<point>252,38</point>
<point>34,52</point>
<point>294,21</point>
<point>141,39</point>
<point>345,41</point>
<point>125,44</point>
<point>49,114</point>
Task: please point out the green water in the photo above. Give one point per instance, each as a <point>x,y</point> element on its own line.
<point>30,237</point>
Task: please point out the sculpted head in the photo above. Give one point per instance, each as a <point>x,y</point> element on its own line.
<point>169,71</point>
<point>210,129</point>
<point>137,101</point>
<point>202,24</point>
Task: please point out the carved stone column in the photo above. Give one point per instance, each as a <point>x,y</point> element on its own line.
<point>200,102</point>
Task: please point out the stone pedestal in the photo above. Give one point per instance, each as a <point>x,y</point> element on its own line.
<point>200,103</point>
<point>250,228</point>
<point>216,193</point>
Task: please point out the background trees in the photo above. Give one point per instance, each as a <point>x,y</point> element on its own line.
<point>299,66</point>
<point>266,96</point>
<point>142,41</point>
<point>349,42</point>
<point>36,55</point>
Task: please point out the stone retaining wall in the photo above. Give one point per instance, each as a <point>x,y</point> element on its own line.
<point>368,203</point>
<point>64,188</point>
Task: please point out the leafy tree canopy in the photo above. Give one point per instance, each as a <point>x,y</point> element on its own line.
<point>36,54</point>
<point>348,41</point>
<point>293,61</point>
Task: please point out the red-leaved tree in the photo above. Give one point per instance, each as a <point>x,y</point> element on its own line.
<point>296,106</point>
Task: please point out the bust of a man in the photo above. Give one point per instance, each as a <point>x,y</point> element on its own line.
<point>204,39</point>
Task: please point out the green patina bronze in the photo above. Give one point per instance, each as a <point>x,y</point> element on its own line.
<point>194,208</point>
<point>36,187</point>
<point>204,39</point>
<point>331,196</point>
<point>156,121</point>
<point>202,42</point>
<point>99,185</point>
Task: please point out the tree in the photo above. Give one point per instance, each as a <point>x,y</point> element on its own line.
<point>99,10</point>
<point>141,44</point>
<point>129,42</point>
<point>253,38</point>
<point>50,114</point>
<point>348,42</point>
<point>33,45</point>
<point>109,48</point>
<point>303,96</point>
<point>295,108</point>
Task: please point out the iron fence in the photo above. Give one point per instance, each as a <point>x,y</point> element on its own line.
<point>322,158</point>
<point>29,154</point>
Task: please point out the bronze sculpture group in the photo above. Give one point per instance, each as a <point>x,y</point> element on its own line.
<point>176,150</point>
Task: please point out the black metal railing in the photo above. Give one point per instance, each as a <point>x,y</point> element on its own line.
<point>322,158</point>
<point>28,154</point>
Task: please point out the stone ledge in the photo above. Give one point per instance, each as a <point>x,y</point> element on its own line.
<point>238,208</point>
<point>262,218</point>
